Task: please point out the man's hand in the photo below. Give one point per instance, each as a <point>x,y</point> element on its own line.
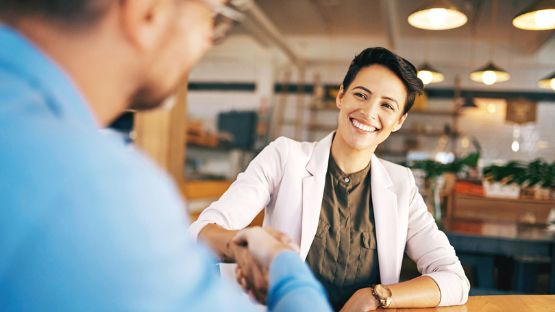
<point>361,300</point>
<point>254,249</point>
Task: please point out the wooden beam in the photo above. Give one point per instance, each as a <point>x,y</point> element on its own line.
<point>161,134</point>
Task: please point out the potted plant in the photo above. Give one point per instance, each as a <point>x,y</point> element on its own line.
<point>441,178</point>
<point>540,176</point>
<point>504,181</point>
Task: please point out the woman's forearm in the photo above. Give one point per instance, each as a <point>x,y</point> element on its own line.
<point>420,292</point>
<point>219,240</point>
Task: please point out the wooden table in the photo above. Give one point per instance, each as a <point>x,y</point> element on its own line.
<point>516,303</point>
<point>484,240</point>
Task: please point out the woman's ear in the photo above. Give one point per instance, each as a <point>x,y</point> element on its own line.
<point>339,97</point>
<point>400,122</point>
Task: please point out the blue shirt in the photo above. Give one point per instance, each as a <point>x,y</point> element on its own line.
<point>88,224</point>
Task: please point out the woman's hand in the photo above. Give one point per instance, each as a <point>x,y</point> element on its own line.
<point>361,300</point>
<point>254,250</point>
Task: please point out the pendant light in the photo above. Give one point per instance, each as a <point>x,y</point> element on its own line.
<point>428,74</point>
<point>548,82</point>
<point>490,73</point>
<point>437,15</point>
<point>538,16</point>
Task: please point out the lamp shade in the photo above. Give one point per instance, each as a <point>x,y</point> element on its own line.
<point>428,74</point>
<point>489,74</point>
<point>538,16</point>
<point>548,82</point>
<point>437,15</point>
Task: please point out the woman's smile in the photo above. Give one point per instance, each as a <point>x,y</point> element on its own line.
<point>363,126</point>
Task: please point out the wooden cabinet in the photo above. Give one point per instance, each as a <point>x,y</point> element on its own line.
<point>499,209</point>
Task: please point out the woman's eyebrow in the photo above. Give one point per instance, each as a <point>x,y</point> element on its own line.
<point>363,88</point>
<point>391,99</point>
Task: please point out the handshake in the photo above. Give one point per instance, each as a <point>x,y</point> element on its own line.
<point>254,249</point>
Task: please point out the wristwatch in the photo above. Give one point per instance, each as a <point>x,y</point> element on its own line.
<point>383,295</point>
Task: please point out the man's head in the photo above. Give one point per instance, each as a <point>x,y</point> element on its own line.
<point>147,46</point>
<point>402,68</point>
<point>70,12</point>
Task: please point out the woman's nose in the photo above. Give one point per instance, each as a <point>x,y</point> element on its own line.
<point>371,109</point>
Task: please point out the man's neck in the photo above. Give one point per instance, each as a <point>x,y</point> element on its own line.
<point>349,160</point>
<point>89,61</point>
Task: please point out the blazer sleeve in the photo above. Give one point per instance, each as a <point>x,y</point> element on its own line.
<point>432,252</point>
<point>249,193</point>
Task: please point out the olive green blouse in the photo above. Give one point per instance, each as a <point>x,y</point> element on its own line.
<point>343,255</point>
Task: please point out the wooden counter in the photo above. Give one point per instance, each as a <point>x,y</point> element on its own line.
<point>516,303</point>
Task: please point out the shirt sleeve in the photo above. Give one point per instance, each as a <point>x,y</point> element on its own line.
<point>432,252</point>
<point>124,246</point>
<point>249,193</point>
<point>293,287</point>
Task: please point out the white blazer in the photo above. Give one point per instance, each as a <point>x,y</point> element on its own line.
<point>287,180</point>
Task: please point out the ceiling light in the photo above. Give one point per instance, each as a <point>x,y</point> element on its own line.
<point>489,74</point>
<point>438,15</point>
<point>548,82</point>
<point>428,74</point>
<point>539,16</point>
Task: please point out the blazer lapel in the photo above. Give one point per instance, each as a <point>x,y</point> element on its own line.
<point>384,202</point>
<point>313,192</point>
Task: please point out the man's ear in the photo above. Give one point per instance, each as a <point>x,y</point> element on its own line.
<point>339,97</point>
<point>400,122</point>
<point>145,22</point>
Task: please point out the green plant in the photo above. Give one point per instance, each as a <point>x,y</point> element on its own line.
<point>434,168</point>
<point>511,172</point>
<point>541,173</point>
<point>537,172</point>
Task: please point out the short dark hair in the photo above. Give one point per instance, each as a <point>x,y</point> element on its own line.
<point>398,65</point>
<point>73,12</point>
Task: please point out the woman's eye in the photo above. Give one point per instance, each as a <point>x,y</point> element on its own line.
<point>360,95</point>
<point>388,106</point>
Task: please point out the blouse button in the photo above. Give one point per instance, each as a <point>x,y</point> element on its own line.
<point>346,180</point>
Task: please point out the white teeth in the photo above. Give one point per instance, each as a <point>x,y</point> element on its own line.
<point>362,126</point>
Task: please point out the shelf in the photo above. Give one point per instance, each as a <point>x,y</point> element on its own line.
<point>435,112</point>
<point>432,112</point>
<point>199,189</point>
<point>324,108</point>
<point>431,133</point>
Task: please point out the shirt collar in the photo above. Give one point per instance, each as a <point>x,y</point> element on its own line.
<point>354,178</point>
<point>20,57</point>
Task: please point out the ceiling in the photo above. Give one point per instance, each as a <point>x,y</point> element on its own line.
<point>374,18</point>
<point>328,31</point>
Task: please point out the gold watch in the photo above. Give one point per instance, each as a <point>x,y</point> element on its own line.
<point>383,295</point>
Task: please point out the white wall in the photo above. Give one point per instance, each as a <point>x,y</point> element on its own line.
<point>243,60</point>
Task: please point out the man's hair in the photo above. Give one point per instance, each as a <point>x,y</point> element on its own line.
<point>72,12</point>
<point>398,65</point>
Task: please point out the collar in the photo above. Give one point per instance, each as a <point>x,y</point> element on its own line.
<point>21,58</point>
<point>350,179</point>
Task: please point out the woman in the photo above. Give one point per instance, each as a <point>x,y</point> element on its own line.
<point>352,214</point>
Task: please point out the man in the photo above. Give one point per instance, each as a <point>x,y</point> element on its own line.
<point>85,223</point>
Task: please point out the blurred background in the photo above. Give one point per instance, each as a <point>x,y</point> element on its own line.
<point>481,140</point>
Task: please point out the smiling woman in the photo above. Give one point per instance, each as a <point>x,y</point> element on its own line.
<point>352,214</point>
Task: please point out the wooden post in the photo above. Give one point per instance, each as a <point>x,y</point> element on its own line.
<point>299,116</point>
<point>279,110</point>
<point>161,134</point>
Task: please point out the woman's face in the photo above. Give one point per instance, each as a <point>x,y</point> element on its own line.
<point>371,108</point>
